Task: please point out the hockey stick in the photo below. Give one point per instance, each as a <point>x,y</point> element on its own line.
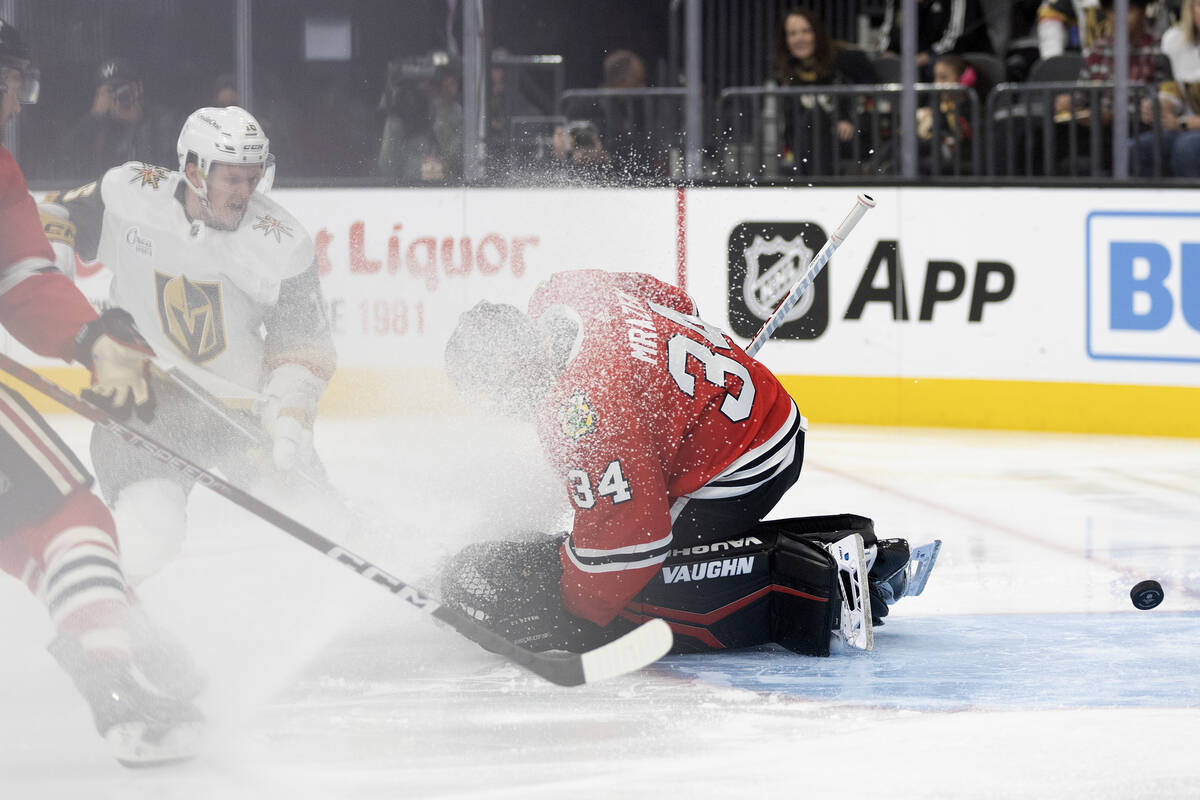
<point>862,205</point>
<point>636,649</point>
<point>254,435</point>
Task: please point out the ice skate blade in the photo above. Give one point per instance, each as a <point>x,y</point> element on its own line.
<point>920,564</point>
<point>135,746</point>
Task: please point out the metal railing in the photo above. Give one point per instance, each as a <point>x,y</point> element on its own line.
<point>1028,134</point>
<point>761,126</point>
<point>642,130</point>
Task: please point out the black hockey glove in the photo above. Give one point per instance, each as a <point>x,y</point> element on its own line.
<point>119,358</point>
<point>513,589</point>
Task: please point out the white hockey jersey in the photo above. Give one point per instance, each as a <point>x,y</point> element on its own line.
<point>224,306</point>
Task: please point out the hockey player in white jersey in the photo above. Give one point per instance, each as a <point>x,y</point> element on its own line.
<point>223,282</point>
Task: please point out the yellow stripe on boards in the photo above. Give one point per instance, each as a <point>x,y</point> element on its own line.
<point>926,402</point>
<point>1015,405</point>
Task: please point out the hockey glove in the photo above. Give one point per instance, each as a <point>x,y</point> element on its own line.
<point>287,413</point>
<point>119,358</point>
<point>513,589</point>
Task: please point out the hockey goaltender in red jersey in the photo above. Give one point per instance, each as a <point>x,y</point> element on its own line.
<point>55,534</point>
<point>674,444</point>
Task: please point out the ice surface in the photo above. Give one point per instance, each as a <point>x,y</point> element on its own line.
<point>1022,671</point>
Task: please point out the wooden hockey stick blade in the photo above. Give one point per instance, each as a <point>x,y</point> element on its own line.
<point>632,651</point>
<point>641,647</point>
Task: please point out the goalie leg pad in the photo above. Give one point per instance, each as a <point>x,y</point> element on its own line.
<point>767,586</point>
<point>778,583</point>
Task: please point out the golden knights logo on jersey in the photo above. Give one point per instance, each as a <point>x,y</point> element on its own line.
<point>191,315</point>
<point>148,174</point>
<point>272,227</point>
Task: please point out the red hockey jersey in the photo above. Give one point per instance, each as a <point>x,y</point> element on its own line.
<point>39,305</point>
<point>652,405</point>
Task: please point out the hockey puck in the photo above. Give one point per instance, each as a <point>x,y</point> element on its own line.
<point>1146,595</point>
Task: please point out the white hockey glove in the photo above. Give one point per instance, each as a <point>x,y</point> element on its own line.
<point>119,358</point>
<point>287,412</point>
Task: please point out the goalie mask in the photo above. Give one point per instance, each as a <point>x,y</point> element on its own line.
<point>14,54</point>
<point>230,136</point>
<point>496,356</point>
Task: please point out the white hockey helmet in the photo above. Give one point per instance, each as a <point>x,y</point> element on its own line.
<point>229,135</point>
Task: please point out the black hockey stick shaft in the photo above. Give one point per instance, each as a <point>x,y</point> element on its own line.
<point>565,669</point>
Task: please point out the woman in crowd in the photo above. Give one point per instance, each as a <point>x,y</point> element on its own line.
<point>806,55</point>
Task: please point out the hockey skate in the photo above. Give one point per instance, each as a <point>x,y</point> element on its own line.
<point>163,660</point>
<point>855,618</point>
<point>143,728</point>
<point>894,572</point>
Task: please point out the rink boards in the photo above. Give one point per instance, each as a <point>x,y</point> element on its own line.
<point>1046,309</point>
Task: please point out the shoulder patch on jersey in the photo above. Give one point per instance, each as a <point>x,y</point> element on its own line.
<point>577,417</point>
<point>148,174</point>
<point>271,226</point>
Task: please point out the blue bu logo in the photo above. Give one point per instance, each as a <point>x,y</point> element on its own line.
<point>1143,285</point>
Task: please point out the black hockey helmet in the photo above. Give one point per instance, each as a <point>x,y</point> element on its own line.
<point>497,355</point>
<point>14,54</point>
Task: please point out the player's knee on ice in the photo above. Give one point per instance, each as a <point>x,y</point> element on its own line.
<point>151,518</point>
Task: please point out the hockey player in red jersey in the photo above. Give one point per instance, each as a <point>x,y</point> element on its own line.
<point>55,534</point>
<point>674,444</point>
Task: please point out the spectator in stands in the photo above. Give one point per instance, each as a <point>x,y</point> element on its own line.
<point>629,128</point>
<point>806,55</point>
<point>507,101</point>
<point>1023,47</point>
<point>1146,65</point>
<point>943,26</point>
<point>225,92</point>
<point>952,150</point>
<point>579,155</point>
<point>120,126</point>
<point>1180,103</point>
<point>1070,25</point>
<point>422,138</point>
<point>622,139</point>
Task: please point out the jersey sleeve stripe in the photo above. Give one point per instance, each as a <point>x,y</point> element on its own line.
<point>712,492</point>
<point>751,459</point>
<point>619,558</point>
<point>25,268</point>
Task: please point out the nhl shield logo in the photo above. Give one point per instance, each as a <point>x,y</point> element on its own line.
<point>191,315</point>
<point>765,261</point>
<point>773,265</point>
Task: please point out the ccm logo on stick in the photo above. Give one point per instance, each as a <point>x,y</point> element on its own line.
<point>1143,285</point>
